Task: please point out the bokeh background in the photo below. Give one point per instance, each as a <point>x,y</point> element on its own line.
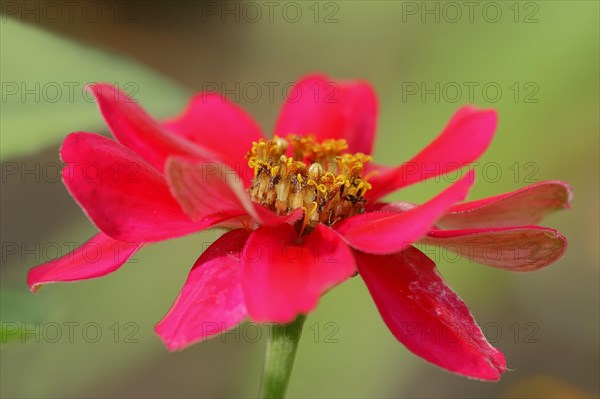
<point>544,57</point>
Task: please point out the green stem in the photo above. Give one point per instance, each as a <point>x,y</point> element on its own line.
<point>279,360</point>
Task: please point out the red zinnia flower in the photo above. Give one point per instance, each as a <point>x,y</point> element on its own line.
<point>303,214</point>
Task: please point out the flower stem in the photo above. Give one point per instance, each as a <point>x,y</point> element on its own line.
<point>279,360</point>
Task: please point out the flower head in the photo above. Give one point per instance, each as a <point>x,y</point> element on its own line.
<point>317,177</point>
<point>303,212</point>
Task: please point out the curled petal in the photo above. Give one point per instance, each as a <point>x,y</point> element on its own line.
<point>426,315</point>
<point>124,196</point>
<point>384,233</point>
<point>519,249</point>
<point>283,277</point>
<point>97,257</point>
<point>212,190</point>
<point>526,206</point>
<point>266,217</point>
<point>214,123</point>
<point>331,110</point>
<point>205,188</point>
<point>211,300</point>
<point>465,138</point>
<point>135,129</point>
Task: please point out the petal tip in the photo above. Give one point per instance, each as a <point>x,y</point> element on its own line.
<point>34,283</point>
<point>35,287</point>
<point>172,344</point>
<point>569,193</point>
<point>97,87</point>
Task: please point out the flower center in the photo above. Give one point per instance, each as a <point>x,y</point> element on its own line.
<point>298,172</point>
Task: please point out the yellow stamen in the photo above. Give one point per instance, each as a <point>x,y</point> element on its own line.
<point>319,176</point>
<point>307,217</point>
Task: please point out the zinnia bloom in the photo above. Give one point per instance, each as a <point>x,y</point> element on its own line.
<point>304,213</point>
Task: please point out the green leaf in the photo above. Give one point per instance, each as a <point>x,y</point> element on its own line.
<point>42,90</point>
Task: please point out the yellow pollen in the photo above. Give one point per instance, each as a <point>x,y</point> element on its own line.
<point>299,172</point>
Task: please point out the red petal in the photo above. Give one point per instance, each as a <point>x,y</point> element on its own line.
<point>135,129</point>
<point>266,217</point>
<point>282,277</point>
<point>393,207</point>
<point>99,256</point>
<point>123,195</point>
<point>213,190</point>
<point>526,206</point>
<point>206,188</point>
<point>384,233</point>
<point>519,249</point>
<point>426,315</point>
<point>211,300</point>
<point>331,110</point>
<point>214,123</point>
<point>464,139</point>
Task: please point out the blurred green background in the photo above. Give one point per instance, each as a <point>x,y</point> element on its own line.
<point>542,55</point>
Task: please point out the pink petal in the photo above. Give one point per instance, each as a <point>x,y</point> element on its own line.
<point>124,196</point>
<point>135,129</point>
<point>526,206</point>
<point>214,123</point>
<point>393,207</point>
<point>426,315</point>
<point>464,139</point>
<point>215,191</point>
<point>99,256</point>
<point>266,217</point>
<point>211,300</point>
<point>282,277</point>
<point>519,249</point>
<point>206,188</point>
<point>334,110</point>
<point>384,233</point>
